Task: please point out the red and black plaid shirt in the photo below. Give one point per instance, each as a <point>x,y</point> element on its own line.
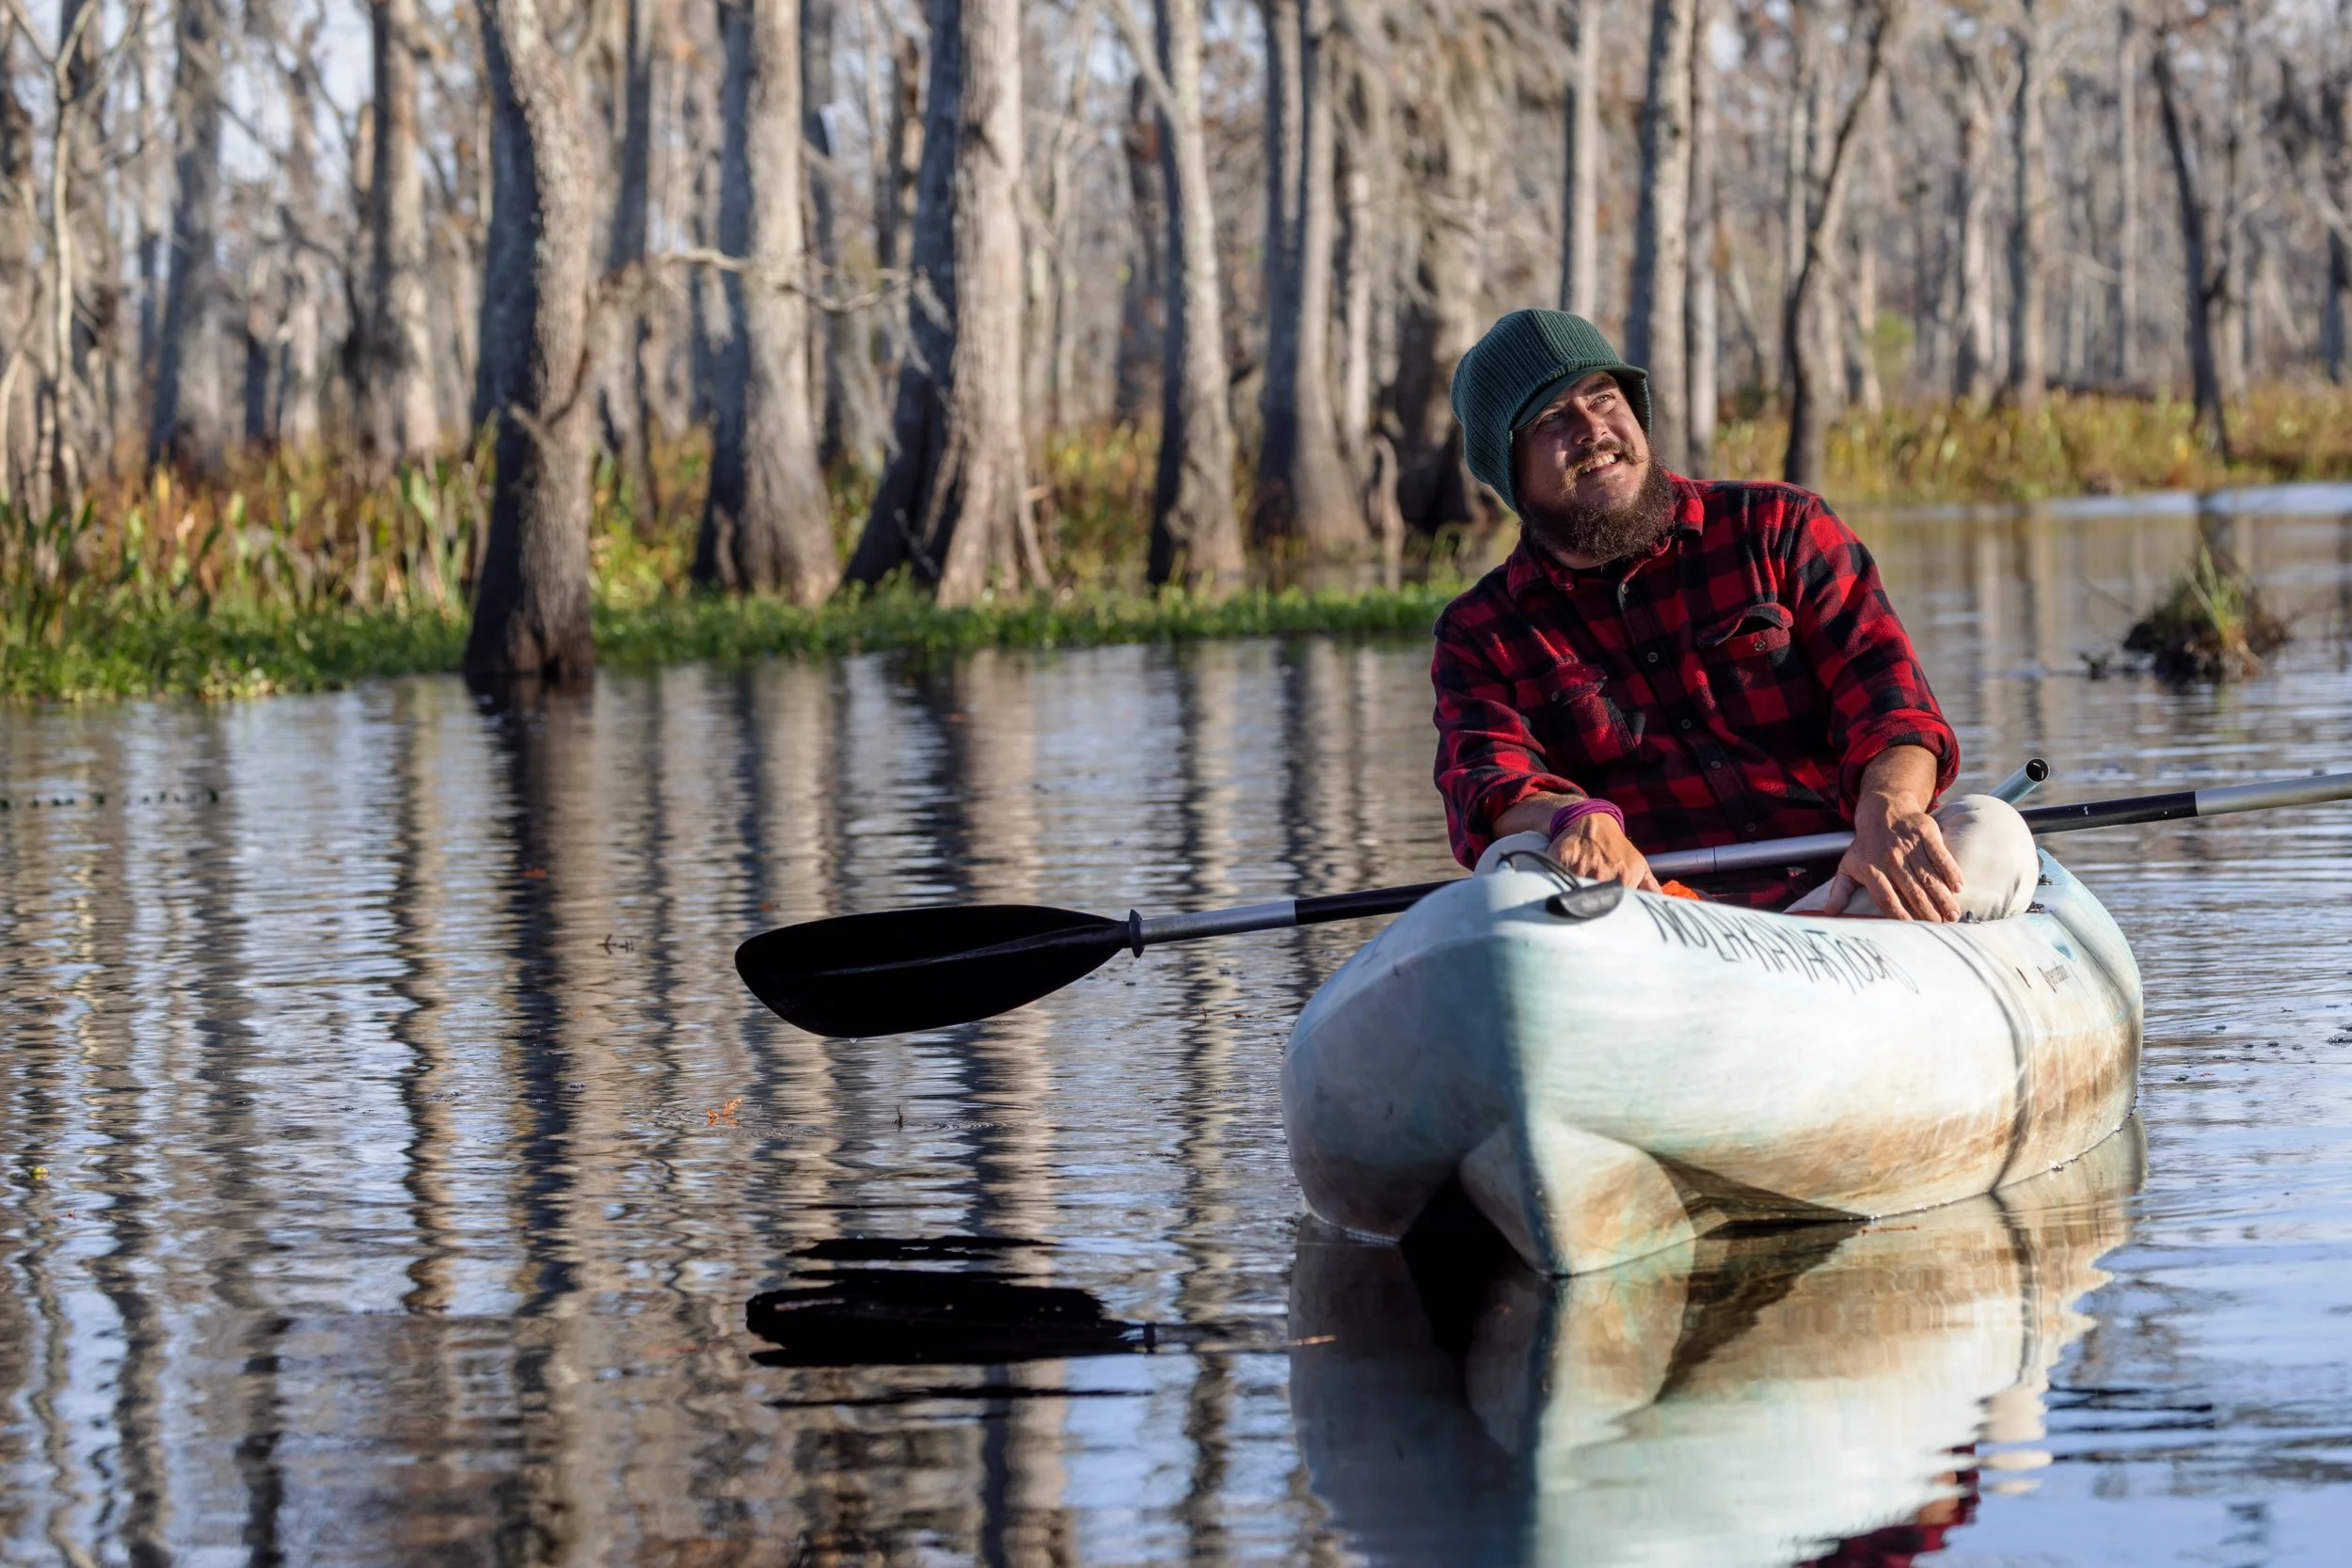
<point>1730,684</point>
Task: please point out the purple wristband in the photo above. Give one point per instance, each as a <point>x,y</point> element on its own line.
<point>1575,810</point>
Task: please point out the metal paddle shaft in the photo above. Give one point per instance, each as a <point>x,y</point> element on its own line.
<point>901,969</point>
<point>2315,790</point>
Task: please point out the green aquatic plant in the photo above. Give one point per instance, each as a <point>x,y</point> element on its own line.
<point>2211,624</point>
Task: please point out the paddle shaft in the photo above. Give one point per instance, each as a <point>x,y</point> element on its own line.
<point>1151,929</point>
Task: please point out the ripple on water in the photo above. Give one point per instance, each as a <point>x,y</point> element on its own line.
<point>396,1159</point>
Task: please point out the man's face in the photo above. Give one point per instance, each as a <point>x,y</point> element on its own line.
<point>1587,488</point>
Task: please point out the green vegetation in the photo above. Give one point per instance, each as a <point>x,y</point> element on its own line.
<point>2078,444</point>
<point>295,573</point>
<point>2212,626</point>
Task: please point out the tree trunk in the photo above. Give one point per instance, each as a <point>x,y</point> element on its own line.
<point>2028,368</point>
<point>766,524</point>
<point>189,421</point>
<point>1972,373</point>
<point>2228,211</point>
<point>1448,165</point>
<point>1701,337</point>
<point>1364,165</point>
<point>1143,296</point>
<point>19,292</point>
<point>2336,312</point>
<point>297,416</point>
<point>851,428</point>
<point>953,502</point>
<point>625,399</point>
<point>1579,208</point>
<point>1304,495</point>
<point>2127,202</point>
<point>92,384</point>
<point>1808,411</point>
<point>1196,538</point>
<point>402,418</point>
<point>2202,284</point>
<point>901,155</point>
<point>532,605</point>
<point>1653,329</point>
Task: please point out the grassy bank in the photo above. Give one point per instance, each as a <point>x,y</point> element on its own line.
<point>242,653</point>
<point>294,573</point>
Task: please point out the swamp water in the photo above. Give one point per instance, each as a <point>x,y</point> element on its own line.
<point>397,1172</point>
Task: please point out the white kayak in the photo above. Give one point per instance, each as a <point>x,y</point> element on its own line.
<point>1611,1085</point>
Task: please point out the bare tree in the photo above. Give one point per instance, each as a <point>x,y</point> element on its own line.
<point>1304,492</point>
<point>20,298</point>
<point>1364,167</point>
<point>303,284</point>
<point>2029,370</point>
<point>1448,102</point>
<point>189,417</point>
<point>625,394</point>
<point>2332,180</point>
<point>1972,376</point>
<point>1808,413</point>
<point>2128,259</point>
<point>766,525</point>
<point>402,418</point>
<point>1654,324</point>
<point>1143,292</point>
<point>1701,338</point>
<point>851,427</point>
<point>1196,537</point>
<point>534,376</point>
<point>2204,281</point>
<point>1580,225</point>
<point>954,503</point>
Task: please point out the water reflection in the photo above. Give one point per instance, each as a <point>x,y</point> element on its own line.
<point>408,1152</point>
<point>1736,1402</point>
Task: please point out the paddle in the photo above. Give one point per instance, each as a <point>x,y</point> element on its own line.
<point>901,969</point>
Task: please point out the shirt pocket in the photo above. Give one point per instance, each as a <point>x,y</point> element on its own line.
<point>1755,631</point>
<point>1582,726</point>
<point>1755,669</point>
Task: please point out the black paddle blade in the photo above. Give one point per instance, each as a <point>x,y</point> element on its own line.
<point>901,969</point>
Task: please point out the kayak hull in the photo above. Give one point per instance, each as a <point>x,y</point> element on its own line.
<point>1604,1088</point>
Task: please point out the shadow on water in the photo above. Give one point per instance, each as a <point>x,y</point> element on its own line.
<point>1814,1394</point>
<point>920,1317</point>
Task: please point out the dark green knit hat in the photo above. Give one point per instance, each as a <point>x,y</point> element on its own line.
<point>1514,369</point>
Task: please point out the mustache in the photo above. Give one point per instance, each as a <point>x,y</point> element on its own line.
<point>1607,447</point>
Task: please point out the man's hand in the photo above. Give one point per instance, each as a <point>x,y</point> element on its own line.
<point>1898,856</point>
<point>1592,846</point>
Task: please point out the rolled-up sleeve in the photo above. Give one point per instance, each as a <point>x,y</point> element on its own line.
<point>1489,758</point>
<point>1862,658</point>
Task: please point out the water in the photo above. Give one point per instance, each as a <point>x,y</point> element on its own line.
<point>392,1153</point>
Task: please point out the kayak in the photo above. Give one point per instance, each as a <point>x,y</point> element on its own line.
<point>1609,1075</point>
<point>1742,1401</point>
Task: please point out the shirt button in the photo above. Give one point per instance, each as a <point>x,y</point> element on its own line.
<point>1686,723</point>
<point>1749,831</point>
<point>1652,657</point>
<point>1717,763</point>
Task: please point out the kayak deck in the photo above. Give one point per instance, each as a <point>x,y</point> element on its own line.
<point>1605,1087</point>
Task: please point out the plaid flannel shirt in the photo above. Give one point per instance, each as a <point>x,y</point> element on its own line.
<point>1730,684</point>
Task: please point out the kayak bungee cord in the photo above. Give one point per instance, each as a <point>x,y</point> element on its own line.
<point>899,970</point>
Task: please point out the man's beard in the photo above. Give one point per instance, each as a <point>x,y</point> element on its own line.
<point>1606,534</point>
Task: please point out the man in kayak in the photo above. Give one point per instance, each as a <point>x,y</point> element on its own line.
<point>1666,663</point>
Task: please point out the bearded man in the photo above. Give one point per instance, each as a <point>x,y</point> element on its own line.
<point>1667,663</point>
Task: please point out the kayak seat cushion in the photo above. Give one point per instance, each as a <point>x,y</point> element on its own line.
<point>1998,863</point>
